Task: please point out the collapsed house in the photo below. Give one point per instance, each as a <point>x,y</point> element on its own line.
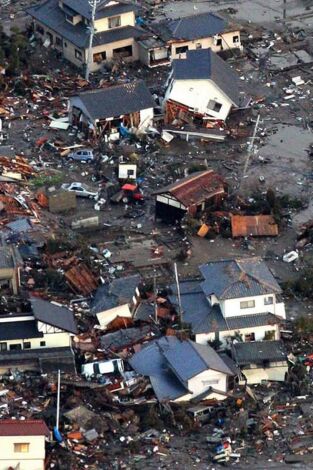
<point>195,193</point>
<point>174,37</point>
<point>113,110</point>
<point>10,266</point>
<point>265,360</point>
<point>116,302</point>
<point>38,340</point>
<point>201,87</point>
<point>183,370</point>
<point>236,301</point>
<point>253,226</point>
<point>65,26</point>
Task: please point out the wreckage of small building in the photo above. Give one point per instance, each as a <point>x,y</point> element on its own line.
<point>174,37</point>
<point>202,86</point>
<point>110,111</point>
<point>253,226</point>
<point>10,266</point>
<point>191,195</point>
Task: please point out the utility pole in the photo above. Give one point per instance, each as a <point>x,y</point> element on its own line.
<point>93,4</point>
<point>155,299</point>
<point>284,9</point>
<point>58,400</point>
<point>250,146</point>
<point>178,295</point>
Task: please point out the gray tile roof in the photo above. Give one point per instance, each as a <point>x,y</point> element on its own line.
<point>190,28</point>
<point>256,352</point>
<point>124,338</point>
<point>119,292</point>
<point>19,330</point>
<point>83,8</point>
<point>54,315</point>
<point>6,259</point>
<point>114,101</point>
<point>50,14</point>
<point>150,362</point>
<point>20,225</point>
<point>230,279</point>
<point>188,359</point>
<point>204,64</point>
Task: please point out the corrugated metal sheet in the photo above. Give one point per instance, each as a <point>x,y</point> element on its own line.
<point>253,225</point>
<point>196,188</point>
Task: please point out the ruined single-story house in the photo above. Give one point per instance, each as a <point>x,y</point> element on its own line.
<point>105,110</point>
<point>10,265</point>
<point>191,195</point>
<point>265,360</point>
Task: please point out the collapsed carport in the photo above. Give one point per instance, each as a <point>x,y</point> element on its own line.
<point>192,195</point>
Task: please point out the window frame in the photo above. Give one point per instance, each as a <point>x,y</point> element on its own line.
<point>112,19</point>
<point>42,344</point>
<point>247,302</point>
<point>78,55</point>
<point>183,50</point>
<point>269,300</point>
<point>19,445</point>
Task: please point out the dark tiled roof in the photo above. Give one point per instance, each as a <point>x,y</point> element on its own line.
<point>190,28</point>
<point>83,8</point>
<point>116,100</point>
<point>54,315</point>
<point>6,259</point>
<point>19,330</point>
<point>256,352</point>
<point>51,15</point>
<point>204,64</point>
<point>230,279</point>
<point>48,359</point>
<point>27,427</point>
<point>119,292</point>
<point>124,338</point>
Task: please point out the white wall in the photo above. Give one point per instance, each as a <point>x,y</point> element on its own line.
<point>231,307</point>
<point>146,118</point>
<point>104,318</point>
<point>196,94</point>
<point>259,332</point>
<point>202,382</point>
<point>275,373</point>
<point>32,460</point>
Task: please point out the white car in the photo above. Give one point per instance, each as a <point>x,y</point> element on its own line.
<point>79,189</point>
<point>93,369</point>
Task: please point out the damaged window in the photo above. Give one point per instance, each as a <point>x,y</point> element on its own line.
<point>3,346</point>
<point>268,300</point>
<point>235,39</point>
<point>247,304</point>
<point>181,50</point>
<point>99,57</point>
<point>249,337</point>
<point>214,106</point>
<point>78,54</point>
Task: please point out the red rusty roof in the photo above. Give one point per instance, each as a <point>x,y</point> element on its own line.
<point>81,279</point>
<point>196,188</point>
<point>27,427</point>
<point>254,226</point>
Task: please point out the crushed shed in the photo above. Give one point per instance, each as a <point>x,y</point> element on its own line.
<point>81,279</point>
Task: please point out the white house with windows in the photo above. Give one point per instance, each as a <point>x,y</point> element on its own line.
<point>202,84</point>
<point>237,299</point>
<point>38,339</point>
<point>22,444</point>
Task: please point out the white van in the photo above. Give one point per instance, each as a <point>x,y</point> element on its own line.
<point>93,369</point>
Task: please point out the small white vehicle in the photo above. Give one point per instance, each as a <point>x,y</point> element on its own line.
<point>79,189</point>
<point>290,257</point>
<point>94,369</point>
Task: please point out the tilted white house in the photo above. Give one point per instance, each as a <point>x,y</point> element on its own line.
<point>203,84</point>
<point>183,370</point>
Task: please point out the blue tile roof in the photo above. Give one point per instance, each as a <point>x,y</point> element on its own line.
<point>190,28</point>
